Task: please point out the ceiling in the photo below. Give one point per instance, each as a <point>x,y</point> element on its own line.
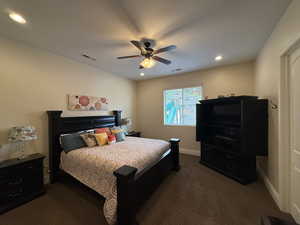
<point>201,29</point>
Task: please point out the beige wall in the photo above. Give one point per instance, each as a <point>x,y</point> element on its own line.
<point>267,77</point>
<point>236,79</point>
<point>33,81</point>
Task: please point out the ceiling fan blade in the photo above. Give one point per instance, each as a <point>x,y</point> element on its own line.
<point>165,49</point>
<point>136,44</point>
<point>139,46</point>
<point>130,56</point>
<point>162,60</point>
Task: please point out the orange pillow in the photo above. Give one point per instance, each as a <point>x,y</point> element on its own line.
<point>103,130</point>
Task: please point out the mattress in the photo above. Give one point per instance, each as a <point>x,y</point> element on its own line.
<point>94,167</point>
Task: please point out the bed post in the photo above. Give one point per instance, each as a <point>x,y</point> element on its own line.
<point>126,209</point>
<point>174,143</point>
<point>117,114</point>
<point>53,128</point>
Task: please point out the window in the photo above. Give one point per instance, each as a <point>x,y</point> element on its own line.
<point>180,106</point>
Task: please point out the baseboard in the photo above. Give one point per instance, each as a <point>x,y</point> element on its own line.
<point>189,151</point>
<point>269,186</point>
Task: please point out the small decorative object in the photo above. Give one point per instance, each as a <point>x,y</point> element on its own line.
<point>87,103</point>
<point>126,124</point>
<point>206,97</point>
<point>20,135</point>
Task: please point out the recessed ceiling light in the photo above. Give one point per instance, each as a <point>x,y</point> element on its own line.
<point>17,18</point>
<point>218,58</point>
<point>142,74</point>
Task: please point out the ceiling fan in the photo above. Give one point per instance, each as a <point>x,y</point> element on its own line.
<point>149,54</point>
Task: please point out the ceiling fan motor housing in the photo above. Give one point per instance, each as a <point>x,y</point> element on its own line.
<point>149,50</point>
<point>149,53</point>
<point>147,44</point>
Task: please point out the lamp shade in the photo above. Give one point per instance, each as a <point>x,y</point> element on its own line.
<point>126,121</point>
<point>22,133</point>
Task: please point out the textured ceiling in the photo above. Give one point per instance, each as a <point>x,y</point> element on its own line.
<point>201,29</point>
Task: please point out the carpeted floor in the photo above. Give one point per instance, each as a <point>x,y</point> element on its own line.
<point>194,196</point>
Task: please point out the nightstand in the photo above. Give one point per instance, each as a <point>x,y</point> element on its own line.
<point>21,180</point>
<point>134,134</point>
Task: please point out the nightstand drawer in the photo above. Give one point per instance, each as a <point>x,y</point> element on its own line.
<point>30,166</point>
<point>11,195</point>
<point>21,180</point>
<point>11,181</point>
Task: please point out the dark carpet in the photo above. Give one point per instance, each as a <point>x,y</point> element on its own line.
<point>194,196</point>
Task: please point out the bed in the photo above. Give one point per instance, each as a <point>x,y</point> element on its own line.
<point>125,174</point>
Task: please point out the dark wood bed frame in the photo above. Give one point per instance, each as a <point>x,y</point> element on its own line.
<point>133,188</point>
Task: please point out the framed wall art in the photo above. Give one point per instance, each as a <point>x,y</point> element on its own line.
<point>87,103</point>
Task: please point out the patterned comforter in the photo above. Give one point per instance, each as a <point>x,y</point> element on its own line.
<point>94,167</point>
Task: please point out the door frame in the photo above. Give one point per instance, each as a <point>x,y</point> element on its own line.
<point>284,126</point>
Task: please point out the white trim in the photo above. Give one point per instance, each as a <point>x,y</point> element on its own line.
<point>189,151</point>
<point>269,185</point>
<point>284,127</point>
<point>295,211</point>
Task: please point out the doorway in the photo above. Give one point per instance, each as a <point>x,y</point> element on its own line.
<point>289,131</point>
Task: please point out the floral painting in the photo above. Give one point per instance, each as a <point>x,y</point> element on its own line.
<point>87,103</point>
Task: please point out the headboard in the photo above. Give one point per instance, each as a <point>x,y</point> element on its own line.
<point>58,125</point>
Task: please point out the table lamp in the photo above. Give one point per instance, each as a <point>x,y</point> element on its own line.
<point>20,135</point>
<point>126,124</point>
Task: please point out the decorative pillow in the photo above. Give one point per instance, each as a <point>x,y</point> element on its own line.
<point>71,142</point>
<point>116,130</point>
<point>103,130</point>
<point>89,139</point>
<point>102,138</point>
<point>79,132</point>
<point>111,139</point>
<point>120,136</point>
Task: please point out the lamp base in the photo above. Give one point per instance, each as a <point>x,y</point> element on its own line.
<point>21,157</point>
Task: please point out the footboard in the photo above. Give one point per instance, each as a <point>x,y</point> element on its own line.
<point>135,188</point>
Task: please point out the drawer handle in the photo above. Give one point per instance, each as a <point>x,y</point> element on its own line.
<point>13,195</point>
<point>18,181</point>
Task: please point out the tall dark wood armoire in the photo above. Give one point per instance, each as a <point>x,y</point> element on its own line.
<point>232,132</point>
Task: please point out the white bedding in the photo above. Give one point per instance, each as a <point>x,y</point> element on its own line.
<point>94,167</point>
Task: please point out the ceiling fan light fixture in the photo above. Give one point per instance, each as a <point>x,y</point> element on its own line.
<point>147,63</point>
<point>17,18</point>
<point>218,58</point>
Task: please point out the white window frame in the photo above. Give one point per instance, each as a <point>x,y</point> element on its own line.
<point>164,96</point>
